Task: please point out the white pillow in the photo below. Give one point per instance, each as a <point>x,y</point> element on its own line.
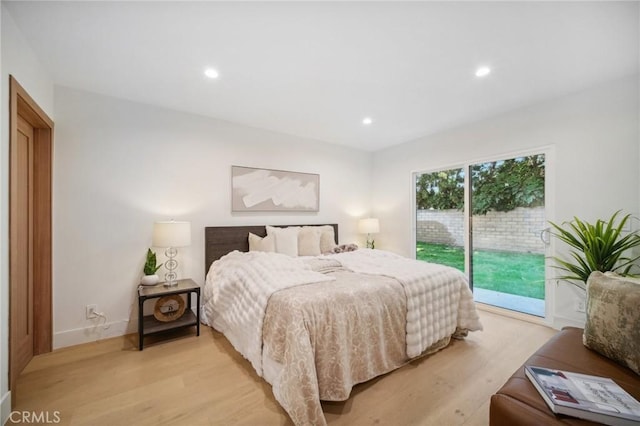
<point>257,243</point>
<point>286,239</point>
<point>327,238</point>
<point>309,241</point>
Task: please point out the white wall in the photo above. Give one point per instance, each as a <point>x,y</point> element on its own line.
<point>18,60</point>
<point>595,137</point>
<point>119,166</point>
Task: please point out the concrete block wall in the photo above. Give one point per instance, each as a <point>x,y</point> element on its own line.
<point>440,227</point>
<point>517,230</point>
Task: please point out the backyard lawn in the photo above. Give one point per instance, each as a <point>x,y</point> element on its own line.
<point>506,272</point>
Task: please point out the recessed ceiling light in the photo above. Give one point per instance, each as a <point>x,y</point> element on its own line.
<point>483,71</point>
<point>366,121</point>
<point>211,73</point>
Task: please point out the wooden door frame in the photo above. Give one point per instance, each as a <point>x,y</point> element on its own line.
<point>20,103</point>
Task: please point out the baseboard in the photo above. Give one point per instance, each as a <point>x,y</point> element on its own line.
<point>91,334</point>
<point>5,407</point>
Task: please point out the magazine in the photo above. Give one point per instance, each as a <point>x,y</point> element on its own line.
<point>594,398</point>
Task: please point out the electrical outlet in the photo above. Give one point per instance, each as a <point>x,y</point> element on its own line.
<point>90,311</point>
<point>581,306</point>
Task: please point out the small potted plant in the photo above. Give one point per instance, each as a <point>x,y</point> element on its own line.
<point>150,269</point>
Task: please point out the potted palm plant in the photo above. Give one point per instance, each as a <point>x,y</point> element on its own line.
<point>150,269</point>
<point>600,246</point>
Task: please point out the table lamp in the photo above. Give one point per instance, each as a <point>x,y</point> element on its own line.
<point>369,226</point>
<point>169,235</point>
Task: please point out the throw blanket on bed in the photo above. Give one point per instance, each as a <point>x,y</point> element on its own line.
<point>322,339</point>
<point>235,305</point>
<point>438,297</point>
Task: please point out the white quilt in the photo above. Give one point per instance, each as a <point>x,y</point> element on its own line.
<point>438,297</point>
<point>235,305</point>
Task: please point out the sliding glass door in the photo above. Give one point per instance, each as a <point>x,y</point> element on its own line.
<point>487,219</point>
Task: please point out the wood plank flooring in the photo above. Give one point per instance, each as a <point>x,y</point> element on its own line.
<point>204,381</point>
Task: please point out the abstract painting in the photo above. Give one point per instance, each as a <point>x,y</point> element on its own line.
<point>267,190</point>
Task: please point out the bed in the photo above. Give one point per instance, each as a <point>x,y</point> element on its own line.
<point>315,326</point>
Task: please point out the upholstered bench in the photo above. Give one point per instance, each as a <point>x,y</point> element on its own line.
<point>612,329</point>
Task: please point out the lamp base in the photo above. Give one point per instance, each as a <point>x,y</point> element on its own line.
<point>171,264</point>
<point>371,244</point>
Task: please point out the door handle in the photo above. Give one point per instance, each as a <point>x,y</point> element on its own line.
<point>545,236</point>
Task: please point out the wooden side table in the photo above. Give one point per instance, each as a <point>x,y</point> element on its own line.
<point>148,325</point>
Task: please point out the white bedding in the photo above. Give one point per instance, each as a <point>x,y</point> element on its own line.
<point>432,303</point>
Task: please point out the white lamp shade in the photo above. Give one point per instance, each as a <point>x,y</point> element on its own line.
<point>369,226</point>
<point>171,234</point>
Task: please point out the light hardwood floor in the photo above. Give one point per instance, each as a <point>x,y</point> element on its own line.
<point>204,381</point>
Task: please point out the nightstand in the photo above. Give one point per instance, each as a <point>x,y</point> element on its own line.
<point>148,325</point>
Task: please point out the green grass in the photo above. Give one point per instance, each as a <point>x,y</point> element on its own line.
<point>506,272</point>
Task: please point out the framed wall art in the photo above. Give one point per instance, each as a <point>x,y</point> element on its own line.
<point>265,190</point>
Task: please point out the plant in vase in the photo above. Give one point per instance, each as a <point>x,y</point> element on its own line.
<point>150,269</point>
<point>595,247</point>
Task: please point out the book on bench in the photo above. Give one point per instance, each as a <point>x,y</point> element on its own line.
<point>594,398</point>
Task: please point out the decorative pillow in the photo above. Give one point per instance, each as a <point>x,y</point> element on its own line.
<point>286,239</point>
<point>342,248</point>
<point>613,318</point>
<point>309,241</point>
<point>257,243</point>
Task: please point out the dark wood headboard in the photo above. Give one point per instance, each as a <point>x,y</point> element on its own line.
<point>220,240</point>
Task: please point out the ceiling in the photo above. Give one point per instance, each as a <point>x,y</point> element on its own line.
<point>316,69</point>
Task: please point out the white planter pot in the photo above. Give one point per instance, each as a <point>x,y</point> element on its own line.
<point>150,280</point>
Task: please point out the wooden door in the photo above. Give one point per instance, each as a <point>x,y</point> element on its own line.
<point>30,241</point>
<point>23,246</point>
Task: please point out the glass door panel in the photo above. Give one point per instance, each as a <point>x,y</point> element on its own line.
<point>440,223</point>
<point>506,221</point>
